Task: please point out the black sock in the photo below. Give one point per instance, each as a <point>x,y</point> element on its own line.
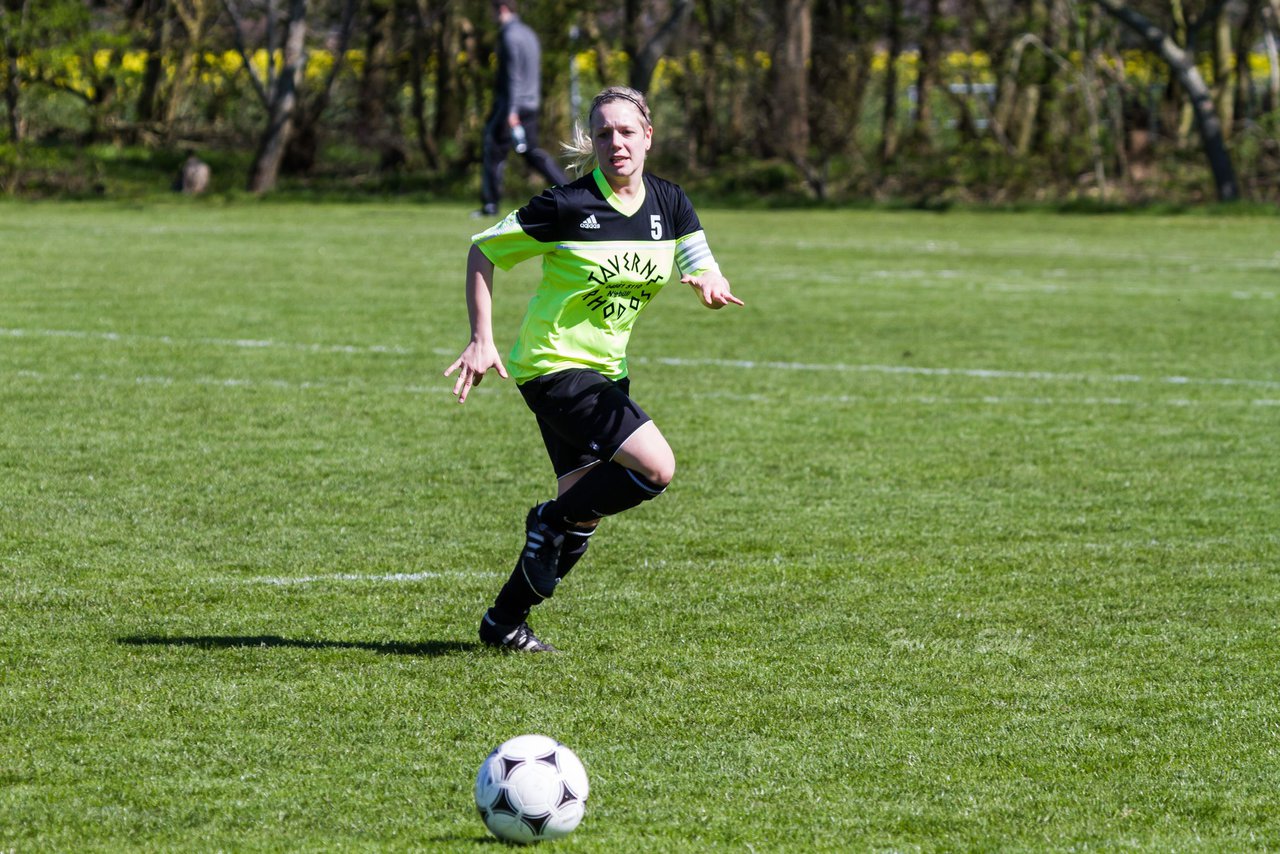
<point>514,601</point>
<point>607,489</point>
<point>576,541</point>
<point>516,598</point>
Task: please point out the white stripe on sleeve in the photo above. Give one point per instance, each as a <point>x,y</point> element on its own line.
<point>693,255</point>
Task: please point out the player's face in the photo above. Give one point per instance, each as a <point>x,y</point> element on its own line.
<point>621,140</point>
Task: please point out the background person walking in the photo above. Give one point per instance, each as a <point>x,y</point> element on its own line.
<point>516,100</point>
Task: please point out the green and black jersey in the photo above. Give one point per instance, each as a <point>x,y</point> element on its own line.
<point>603,260</point>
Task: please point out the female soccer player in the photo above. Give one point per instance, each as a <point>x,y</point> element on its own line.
<point>609,242</point>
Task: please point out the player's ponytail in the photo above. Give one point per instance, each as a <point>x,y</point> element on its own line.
<point>579,151</point>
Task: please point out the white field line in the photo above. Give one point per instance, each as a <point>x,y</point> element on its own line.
<point>390,578</point>
<point>743,364</point>
<point>447,389</point>
<point>245,343</point>
<point>964,280</point>
<point>1072,248</point>
<point>233,382</point>
<point>28,588</point>
<point>978,373</point>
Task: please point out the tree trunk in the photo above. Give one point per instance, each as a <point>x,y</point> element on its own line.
<point>282,104</point>
<point>11,83</point>
<point>1271,19</point>
<point>998,44</point>
<point>449,93</point>
<point>644,60</point>
<point>157,43</point>
<point>1224,89</point>
<point>889,120</point>
<point>1025,117</point>
<point>303,146</point>
<point>717,123</point>
<point>791,80</point>
<point>838,73</point>
<point>1246,103</point>
<point>419,46</point>
<point>196,17</point>
<point>963,99</point>
<point>1182,36</point>
<point>1057,36</point>
<point>863,59</point>
<point>1183,65</point>
<point>631,10</point>
<point>374,86</point>
<point>927,76</point>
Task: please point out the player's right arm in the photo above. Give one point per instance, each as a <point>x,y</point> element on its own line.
<point>521,235</point>
<point>480,354</point>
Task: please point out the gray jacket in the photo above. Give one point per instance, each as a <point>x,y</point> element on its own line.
<point>519,67</point>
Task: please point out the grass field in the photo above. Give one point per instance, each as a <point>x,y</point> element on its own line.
<point>974,543</point>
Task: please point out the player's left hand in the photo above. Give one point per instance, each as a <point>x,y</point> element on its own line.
<point>713,289</point>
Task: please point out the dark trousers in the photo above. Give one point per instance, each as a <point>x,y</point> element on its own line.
<point>497,145</point>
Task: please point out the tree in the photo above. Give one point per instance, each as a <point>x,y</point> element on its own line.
<point>303,144</point>
<point>419,44</point>
<point>839,73</point>
<point>196,17</point>
<point>278,89</point>
<point>928,73</point>
<point>1183,65</point>
<point>1271,27</point>
<point>59,47</point>
<point>790,105</point>
<point>152,18</point>
<point>893,47</point>
<point>1224,71</point>
<point>9,44</point>
<point>644,59</point>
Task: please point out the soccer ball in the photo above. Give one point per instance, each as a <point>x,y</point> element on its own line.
<point>531,788</point>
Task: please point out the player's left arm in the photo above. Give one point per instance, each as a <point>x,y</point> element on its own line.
<point>697,266</point>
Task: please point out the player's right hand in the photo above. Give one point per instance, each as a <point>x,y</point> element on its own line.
<point>472,365</point>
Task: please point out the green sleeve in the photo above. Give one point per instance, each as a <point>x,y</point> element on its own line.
<point>509,242</point>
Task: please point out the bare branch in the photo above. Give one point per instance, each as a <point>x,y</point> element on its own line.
<point>646,59</point>
<point>237,22</point>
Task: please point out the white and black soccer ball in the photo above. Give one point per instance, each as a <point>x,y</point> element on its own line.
<point>531,788</point>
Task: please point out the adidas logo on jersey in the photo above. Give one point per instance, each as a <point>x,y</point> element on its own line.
<point>589,222</point>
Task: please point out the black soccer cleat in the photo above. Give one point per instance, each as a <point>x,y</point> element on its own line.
<point>511,638</point>
<point>540,560</point>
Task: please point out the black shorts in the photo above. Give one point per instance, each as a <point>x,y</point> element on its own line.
<point>584,416</point>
